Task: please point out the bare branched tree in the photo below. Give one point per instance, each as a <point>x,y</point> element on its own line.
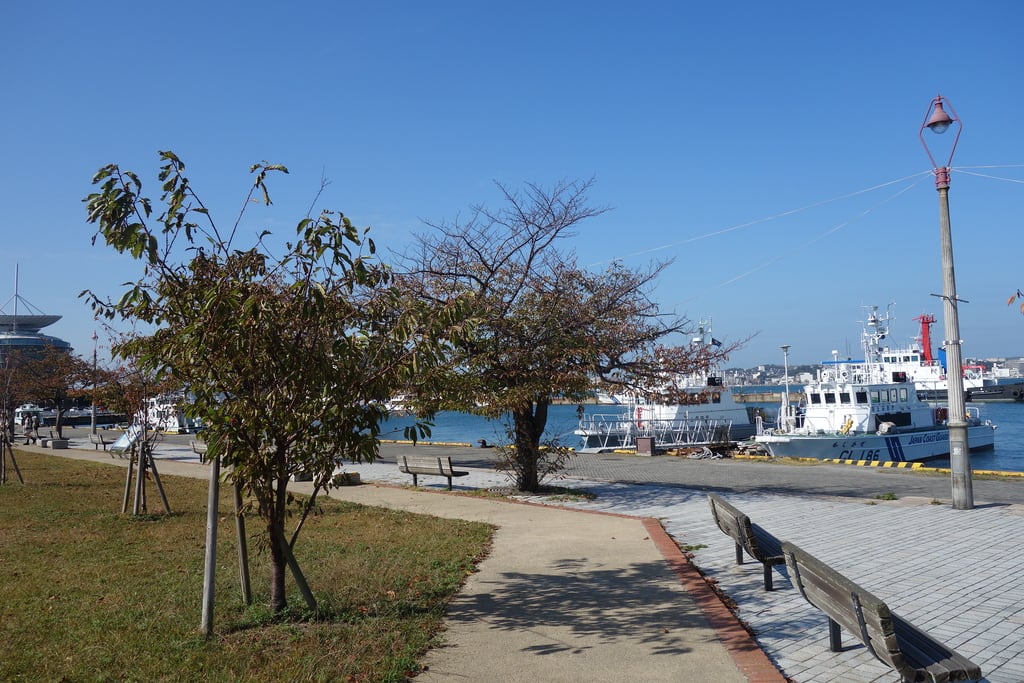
<point>544,326</point>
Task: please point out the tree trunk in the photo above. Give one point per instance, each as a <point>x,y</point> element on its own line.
<point>278,569</point>
<point>529,423</point>
<point>275,529</point>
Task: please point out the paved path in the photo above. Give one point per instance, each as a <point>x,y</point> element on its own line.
<point>956,574</point>
<point>565,596</point>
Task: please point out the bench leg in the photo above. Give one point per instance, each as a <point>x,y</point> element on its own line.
<point>449,483</point>
<point>414,481</point>
<point>835,638</point>
<point>768,576</point>
<point>739,554</point>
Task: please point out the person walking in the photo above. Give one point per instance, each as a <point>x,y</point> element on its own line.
<point>35,428</point>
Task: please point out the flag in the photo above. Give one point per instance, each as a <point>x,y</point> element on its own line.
<point>715,342</point>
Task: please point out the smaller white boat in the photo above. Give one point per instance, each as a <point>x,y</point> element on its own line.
<point>708,415</point>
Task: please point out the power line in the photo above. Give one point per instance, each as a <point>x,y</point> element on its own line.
<point>766,219</point>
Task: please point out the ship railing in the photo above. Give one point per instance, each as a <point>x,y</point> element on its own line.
<point>616,431</point>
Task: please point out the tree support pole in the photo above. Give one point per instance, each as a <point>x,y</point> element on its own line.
<point>159,484</point>
<point>243,548</point>
<point>300,579</point>
<point>8,450</point>
<point>128,483</point>
<point>210,564</point>
<point>139,504</point>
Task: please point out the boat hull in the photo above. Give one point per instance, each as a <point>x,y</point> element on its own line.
<point>997,393</point>
<point>907,446</point>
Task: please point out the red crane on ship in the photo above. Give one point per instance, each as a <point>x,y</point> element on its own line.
<point>926,321</point>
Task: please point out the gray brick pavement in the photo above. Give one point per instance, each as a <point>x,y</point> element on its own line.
<point>957,574</point>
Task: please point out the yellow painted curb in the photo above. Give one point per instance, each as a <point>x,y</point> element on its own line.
<point>916,466</point>
<point>426,443</point>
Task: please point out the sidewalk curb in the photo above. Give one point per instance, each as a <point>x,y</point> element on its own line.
<point>743,648</point>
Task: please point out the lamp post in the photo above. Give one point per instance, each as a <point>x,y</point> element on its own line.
<point>937,120</point>
<point>785,378</point>
<point>93,414</point>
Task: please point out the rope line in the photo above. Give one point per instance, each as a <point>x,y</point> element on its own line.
<point>765,219</point>
<point>834,229</point>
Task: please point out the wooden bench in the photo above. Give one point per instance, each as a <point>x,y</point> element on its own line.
<point>199,448</point>
<point>438,466</point>
<point>914,654</point>
<point>98,440</point>
<point>759,544</point>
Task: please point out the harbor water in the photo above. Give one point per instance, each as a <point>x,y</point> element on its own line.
<point>452,427</point>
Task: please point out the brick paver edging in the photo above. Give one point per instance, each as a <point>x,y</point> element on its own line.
<point>746,653</point>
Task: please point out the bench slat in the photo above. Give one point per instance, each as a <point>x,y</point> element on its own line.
<point>910,651</point>
<point>438,466</point>
<point>942,663</point>
<point>759,543</point>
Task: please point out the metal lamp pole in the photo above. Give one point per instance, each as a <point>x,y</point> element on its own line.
<point>93,415</point>
<point>785,379</point>
<point>937,120</point>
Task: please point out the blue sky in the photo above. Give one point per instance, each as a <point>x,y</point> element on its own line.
<point>740,139</point>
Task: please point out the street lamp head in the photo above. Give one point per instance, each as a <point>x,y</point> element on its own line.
<point>940,121</point>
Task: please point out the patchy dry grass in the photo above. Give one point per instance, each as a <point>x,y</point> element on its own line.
<point>90,594</point>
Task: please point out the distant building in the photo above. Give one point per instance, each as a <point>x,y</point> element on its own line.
<point>21,332</point>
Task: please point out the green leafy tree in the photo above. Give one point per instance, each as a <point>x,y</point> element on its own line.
<point>546,327</point>
<point>289,359</point>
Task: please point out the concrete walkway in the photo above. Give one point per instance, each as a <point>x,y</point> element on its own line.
<point>565,596</point>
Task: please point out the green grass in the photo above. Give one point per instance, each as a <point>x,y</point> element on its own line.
<point>88,594</point>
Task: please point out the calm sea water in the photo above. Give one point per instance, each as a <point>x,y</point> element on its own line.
<point>451,427</point>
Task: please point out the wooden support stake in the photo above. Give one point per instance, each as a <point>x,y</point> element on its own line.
<point>243,548</point>
<point>159,484</point>
<point>300,579</point>
<point>139,504</point>
<point>128,482</point>
<point>8,450</point>
<point>210,564</point>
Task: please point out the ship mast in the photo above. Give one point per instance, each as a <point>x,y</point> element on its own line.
<point>926,321</point>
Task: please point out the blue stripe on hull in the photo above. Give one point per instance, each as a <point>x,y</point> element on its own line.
<point>895,448</point>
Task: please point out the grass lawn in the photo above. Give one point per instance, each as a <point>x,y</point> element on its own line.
<point>89,594</point>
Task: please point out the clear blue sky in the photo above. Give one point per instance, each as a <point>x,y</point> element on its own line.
<point>708,128</point>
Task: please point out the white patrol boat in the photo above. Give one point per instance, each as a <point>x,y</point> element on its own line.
<point>916,362</point>
<point>862,410</point>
